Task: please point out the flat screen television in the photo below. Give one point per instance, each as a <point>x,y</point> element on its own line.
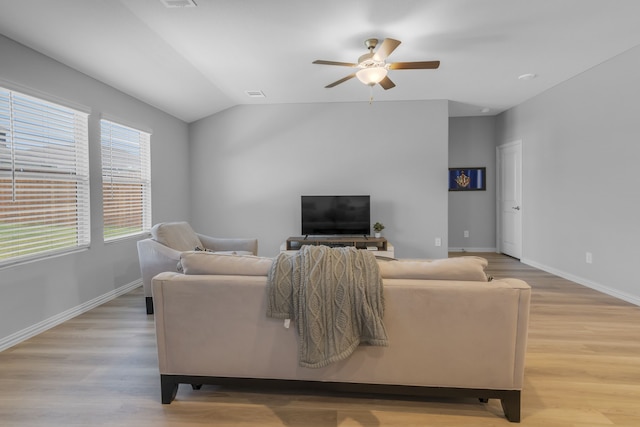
<point>336,215</point>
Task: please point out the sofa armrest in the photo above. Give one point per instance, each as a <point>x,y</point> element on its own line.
<point>155,258</point>
<point>222,244</point>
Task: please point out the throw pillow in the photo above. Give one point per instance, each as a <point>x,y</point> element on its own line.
<point>178,236</point>
<point>200,262</point>
<point>459,268</point>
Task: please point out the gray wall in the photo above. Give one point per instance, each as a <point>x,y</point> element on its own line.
<point>581,150</point>
<point>243,170</point>
<point>472,143</point>
<point>36,291</point>
<point>251,164</point>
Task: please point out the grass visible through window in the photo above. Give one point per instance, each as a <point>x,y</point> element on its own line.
<point>34,239</point>
<point>114,231</point>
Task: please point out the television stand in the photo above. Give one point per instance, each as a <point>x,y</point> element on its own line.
<point>379,245</point>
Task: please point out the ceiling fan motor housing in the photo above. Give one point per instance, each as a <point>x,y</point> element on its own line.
<point>368,61</point>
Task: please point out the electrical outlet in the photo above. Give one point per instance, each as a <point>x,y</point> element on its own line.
<point>438,241</point>
<point>466,233</point>
<point>589,258</point>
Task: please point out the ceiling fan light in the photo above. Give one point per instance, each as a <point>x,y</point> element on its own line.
<point>371,76</point>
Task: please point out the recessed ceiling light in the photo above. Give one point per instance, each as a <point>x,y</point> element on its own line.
<point>255,94</point>
<point>178,3</point>
<point>528,76</point>
<point>485,110</point>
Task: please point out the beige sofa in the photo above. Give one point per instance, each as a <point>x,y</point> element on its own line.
<point>161,252</point>
<point>451,332</point>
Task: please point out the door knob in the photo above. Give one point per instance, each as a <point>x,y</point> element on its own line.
<point>516,208</point>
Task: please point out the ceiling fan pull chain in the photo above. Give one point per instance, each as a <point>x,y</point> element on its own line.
<point>370,94</point>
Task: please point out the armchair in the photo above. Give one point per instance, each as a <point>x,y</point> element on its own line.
<point>161,252</point>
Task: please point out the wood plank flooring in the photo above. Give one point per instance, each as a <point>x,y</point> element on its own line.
<point>100,369</point>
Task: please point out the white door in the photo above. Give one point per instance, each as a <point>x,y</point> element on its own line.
<point>509,195</point>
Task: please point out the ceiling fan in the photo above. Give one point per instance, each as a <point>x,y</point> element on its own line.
<point>373,68</point>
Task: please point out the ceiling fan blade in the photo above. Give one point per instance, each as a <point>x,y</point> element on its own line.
<point>387,84</point>
<point>343,64</point>
<point>421,65</point>
<point>385,49</point>
<point>342,80</point>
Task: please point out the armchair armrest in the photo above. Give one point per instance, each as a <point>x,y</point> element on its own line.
<point>155,258</point>
<point>222,244</point>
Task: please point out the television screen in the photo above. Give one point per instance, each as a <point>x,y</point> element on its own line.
<point>329,215</point>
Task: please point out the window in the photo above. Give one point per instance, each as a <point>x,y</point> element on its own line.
<point>126,180</point>
<point>44,178</point>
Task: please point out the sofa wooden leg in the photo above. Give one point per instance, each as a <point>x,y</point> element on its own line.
<point>169,388</point>
<point>511,405</point>
<point>149,301</point>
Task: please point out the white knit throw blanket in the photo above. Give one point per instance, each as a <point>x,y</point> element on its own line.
<point>334,295</point>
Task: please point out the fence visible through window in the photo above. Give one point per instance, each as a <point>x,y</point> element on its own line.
<point>126,180</point>
<point>44,178</point>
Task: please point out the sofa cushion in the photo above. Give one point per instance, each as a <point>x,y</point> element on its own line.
<point>197,262</point>
<point>459,268</point>
<point>199,249</point>
<point>233,252</point>
<point>176,235</point>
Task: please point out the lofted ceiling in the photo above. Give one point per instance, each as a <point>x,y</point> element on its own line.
<point>193,62</point>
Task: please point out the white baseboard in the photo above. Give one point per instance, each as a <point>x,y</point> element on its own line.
<point>49,323</point>
<point>472,250</point>
<point>633,299</point>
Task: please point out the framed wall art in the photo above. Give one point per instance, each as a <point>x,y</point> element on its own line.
<point>467,179</point>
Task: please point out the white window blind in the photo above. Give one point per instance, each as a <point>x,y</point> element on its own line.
<point>44,178</point>
<point>126,180</point>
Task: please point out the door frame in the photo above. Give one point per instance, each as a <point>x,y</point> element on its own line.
<point>499,195</point>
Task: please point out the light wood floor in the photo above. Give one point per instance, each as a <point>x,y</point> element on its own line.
<point>100,369</point>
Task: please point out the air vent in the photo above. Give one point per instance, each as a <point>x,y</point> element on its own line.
<point>178,3</point>
<point>255,94</point>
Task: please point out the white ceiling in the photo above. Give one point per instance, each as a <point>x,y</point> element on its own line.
<point>193,62</point>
